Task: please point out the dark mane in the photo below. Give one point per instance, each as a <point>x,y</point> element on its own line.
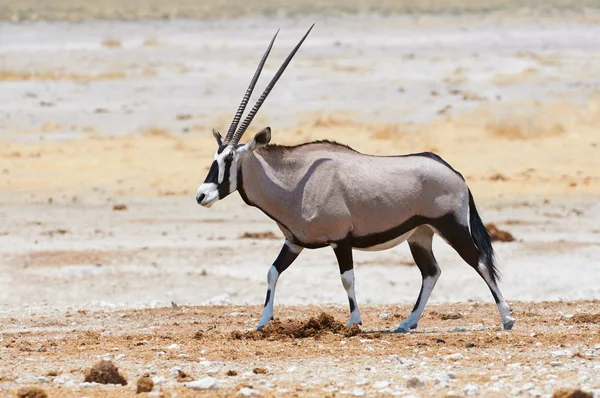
<point>430,155</point>
<point>277,147</point>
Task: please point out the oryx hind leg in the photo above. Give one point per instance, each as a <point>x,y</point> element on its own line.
<point>343,253</point>
<point>289,252</point>
<point>459,237</point>
<point>420,247</point>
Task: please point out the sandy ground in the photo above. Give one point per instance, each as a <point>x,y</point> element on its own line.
<point>105,113</point>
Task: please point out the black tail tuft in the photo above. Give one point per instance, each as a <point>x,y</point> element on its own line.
<point>482,239</point>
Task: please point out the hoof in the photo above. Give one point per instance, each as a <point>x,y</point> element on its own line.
<point>259,329</point>
<point>413,326</point>
<point>401,329</point>
<point>353,323</point>
<point>509,323</point>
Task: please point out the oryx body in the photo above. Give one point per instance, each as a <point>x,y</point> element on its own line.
<point>327,194</point>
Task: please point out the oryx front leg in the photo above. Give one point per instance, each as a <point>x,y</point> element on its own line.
<point>289,252</point>
<point>343,252</point>
<point>420,247</point>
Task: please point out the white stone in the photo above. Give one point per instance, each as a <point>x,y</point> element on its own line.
<point>362,382</point>
<point>358,392</point>
<point>174,347</point>
<point>381,384</point>
<point>206,383</point>
<point>248,392</point>
<point>454,357</point>
<point>471,389</point>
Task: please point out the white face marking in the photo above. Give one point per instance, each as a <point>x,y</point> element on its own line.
<point>208,192</point>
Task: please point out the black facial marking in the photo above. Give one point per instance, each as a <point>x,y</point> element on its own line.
<point>213,173</point>
<point>268,297</point>
<point>221,149</point>
<point>352,305</point>
<point>224,186</point>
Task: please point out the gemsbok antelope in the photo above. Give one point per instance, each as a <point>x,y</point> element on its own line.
<point>326,194</point>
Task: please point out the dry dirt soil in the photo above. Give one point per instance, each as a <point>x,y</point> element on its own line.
<point>458,350</point>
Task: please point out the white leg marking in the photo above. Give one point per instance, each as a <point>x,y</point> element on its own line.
<point>413,319</point>
<point>267,314</point>
<point>503,307</point>
<point>348,282</point>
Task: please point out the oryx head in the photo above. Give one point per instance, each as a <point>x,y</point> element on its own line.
<point>222,176</point>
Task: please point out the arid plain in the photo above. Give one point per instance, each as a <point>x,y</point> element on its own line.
<point>105,136</point>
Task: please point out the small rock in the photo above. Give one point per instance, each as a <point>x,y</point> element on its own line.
<point>555,364</point>
<point>231,372</point>
<point>206,383</point>
<point>259,371</point>
<point>470,345</point>
<point>358,392</point>
<point>385,315</point>
<point>31,392</point>
<point>248,392</point>
<point>362,382</point>
<point>414,382</point>
<point>144,384</point>
<point>174,347</point>
<point>471,389</point>
<point>459,330</point>
<point>454,357</point>
<point>381,384</point>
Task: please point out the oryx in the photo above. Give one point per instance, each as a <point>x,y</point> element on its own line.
<point>326,194</point>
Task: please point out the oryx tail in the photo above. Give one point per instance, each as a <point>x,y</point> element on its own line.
<point>482,239</point>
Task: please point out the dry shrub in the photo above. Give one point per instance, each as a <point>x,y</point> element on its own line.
<point>564,393</point>
<point>585,318</point>
<point>104,372</point>
<point>119,207</point>
<point>144,384</point>
<point>314,327</point>
<point>31,392</point>
<point>156,132</point>
<point>112,43</point>
<point>151,42</point>
<point>231,372</point>
<point>524,129</point>
<point>499,235</point>
<point>386,132</point>
<point>259,235</point>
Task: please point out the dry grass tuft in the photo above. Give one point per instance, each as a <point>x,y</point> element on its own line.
<point>111,43</point>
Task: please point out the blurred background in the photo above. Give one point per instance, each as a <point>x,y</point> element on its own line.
<point>106,111</point>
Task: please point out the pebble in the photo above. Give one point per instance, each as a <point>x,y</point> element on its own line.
<point>206,383</point>
<point>174,347</point>
<point>555,364</point>
<point>381,384</point>
<point>248,392</point>
<point>455,357</point>
<point>362,382</point>
<point>459,330</point>
<point>414,382</point>
<point>358,392</point>
<point>471,389</point>
<point>384,315</point>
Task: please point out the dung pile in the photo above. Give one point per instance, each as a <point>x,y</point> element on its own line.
<point>292,328</point>
<point>104,372</point>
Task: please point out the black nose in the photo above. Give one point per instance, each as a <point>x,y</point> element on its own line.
<point>200,198</point>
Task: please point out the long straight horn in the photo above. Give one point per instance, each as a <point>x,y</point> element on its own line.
<point>242,107</point>
<point>250,116</point>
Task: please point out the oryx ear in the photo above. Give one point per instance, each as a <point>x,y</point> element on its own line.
<point>261,139</point>
<point>218,137</point>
